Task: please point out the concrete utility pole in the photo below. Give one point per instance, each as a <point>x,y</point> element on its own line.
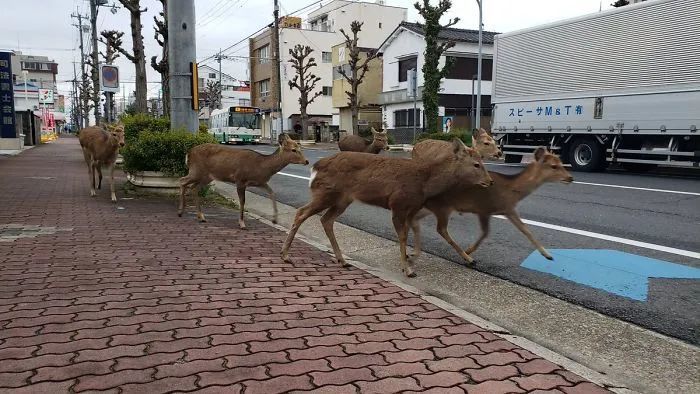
<point>95,62</point>
<point>182,64</point>
<point>478,72</point>
<point>77,117</point>
<point>82,61</point>
<point>219,58</point>
<point>278,65</point>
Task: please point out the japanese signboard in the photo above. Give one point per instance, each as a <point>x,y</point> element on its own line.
<point>109,78</point>
<point>7,97</point>
<point>560,109</point>
<point>45,96</point>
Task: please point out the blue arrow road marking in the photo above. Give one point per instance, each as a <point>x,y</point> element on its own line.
<point>616,272</point>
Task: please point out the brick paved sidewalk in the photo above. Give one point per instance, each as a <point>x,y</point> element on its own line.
<point>93,298</point>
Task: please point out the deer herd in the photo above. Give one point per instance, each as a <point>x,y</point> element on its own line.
<point>439,178</point>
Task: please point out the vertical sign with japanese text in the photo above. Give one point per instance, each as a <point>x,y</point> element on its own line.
<point>7,97</point>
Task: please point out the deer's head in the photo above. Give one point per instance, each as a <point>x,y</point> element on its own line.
<point>290,150</point>
<point>380,139</point>
<point>485,144</point>
<point>116,133</point>
<point>549,168</point>
<point>471,168</point>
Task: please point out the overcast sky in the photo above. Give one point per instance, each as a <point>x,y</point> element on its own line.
<point>44,27</point>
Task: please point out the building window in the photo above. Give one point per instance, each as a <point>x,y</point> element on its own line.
<point>405,65</point>
<point>264,54</point>
<point>244,102</point>
<point>264,88</point>
<point>380,25</point>
<point>404,118</point>
<point>212,75</point>
<point>327,90</point>
<point>44,66</point>
<point>327,57</point>
<point>466,67</point>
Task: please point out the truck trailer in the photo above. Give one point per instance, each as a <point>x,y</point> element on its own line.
<point>619,86</point>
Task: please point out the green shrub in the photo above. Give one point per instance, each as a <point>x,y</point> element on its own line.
<point>164,152</point>
<point>139,123</point>
<point>463,135</point>
<point>203,128</point>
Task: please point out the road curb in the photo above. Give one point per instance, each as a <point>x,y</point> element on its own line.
<point>590,374</point>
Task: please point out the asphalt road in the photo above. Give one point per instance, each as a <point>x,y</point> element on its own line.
<point>652,215</point>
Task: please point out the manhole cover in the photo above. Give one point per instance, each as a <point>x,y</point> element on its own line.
<point>11,232</point>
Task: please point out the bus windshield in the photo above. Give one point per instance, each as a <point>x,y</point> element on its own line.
<point>248,121</point>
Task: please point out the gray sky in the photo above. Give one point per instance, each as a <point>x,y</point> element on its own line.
<point>44,27</point>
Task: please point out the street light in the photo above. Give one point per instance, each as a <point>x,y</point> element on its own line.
<point>478,72</point>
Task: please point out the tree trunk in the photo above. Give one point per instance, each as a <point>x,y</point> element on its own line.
<point>140,63</point>
<point>304,123</point>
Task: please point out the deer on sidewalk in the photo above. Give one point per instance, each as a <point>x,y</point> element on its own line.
<point>355,143</point>
<point>399,184</point>
<point>244,167</point>
<point>100,148</point>
<point>500,199</point>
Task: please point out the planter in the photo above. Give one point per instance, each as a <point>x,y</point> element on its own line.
<point>120,160</point>
<point>154,181</point>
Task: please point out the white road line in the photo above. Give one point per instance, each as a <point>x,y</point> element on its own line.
<point>638,188</point>
<point>590,234</point>
<point>611,238</point>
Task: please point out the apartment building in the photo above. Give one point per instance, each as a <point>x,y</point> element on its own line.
<point>404,50</point>
<point>233,91</point>
<point>320,31</point>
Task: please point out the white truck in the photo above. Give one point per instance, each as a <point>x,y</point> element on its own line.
<point>619,86</point>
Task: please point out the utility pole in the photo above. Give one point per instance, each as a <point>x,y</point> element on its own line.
<point>218,58</point>
<point>95,62</point>
<point>182,65</point>
<point>76,109</point>
<point>278,65</point>
<point>478,72</point>
<point>86,120</point>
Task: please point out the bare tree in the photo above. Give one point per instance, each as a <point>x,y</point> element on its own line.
<point>212,94</point>
<point>304,81</point>
<point>85,99</point>
<point>161,36</point>
<point>358,67</point>
<point>432,74</point>
<point>138,56</point>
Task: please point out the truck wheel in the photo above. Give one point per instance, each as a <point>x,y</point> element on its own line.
<point>586,155</point>
<point>513,158</point>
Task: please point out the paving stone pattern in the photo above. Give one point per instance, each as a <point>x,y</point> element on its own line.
<point>139,300</point>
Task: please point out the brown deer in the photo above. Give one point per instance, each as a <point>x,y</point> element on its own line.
<point>355,143</point>
<point>499,199</point>
<point>482,142</point>
<point>100,148</point>
<point>399,184</point>
<point>244,167</point>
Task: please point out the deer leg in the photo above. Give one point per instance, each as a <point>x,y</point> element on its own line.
<point>271,194</point>
<point>415,226</point>
<point>197,202</point>
<point>98,167</point>
<point>484,221</point>
<point>241,200</point>
<point>91,169</point>
<point>515,219</point>
<point>401,227</point>
<point>327,221</point>
<point>443,220</point>
<point>302,214</point>
<point>111,182</point>
<point>185,183</point>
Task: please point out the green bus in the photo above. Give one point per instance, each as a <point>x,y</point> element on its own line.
<point>239,124</point>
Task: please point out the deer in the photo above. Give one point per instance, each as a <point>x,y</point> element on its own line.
<point>401,185</point>
<point>100,146</point>
<point>243,167</point>
<point>355,143</point>
<point>499,199</point>
<point>482,142</point>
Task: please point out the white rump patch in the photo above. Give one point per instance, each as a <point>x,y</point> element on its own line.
<point>313,175</point>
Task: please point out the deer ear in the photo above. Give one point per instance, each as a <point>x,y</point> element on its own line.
<point>458,145</point>
<point>374,131</point>
<point>539,153</point>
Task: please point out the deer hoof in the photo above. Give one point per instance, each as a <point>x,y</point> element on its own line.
<point>409,272</point>
<point>92,193</point>
<point>274,221</point>
<point>286,259</point>
<point>345,264</point>
<point>179,214</point>
<point>548,257</point>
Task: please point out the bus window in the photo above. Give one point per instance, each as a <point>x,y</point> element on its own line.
<point>248,121</point>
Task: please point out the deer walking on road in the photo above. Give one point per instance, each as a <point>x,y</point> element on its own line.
<point>500,199</point>
<point>355,143</point>
<point>244,167</point>
<point>100,148</point>
<point>401,185</point>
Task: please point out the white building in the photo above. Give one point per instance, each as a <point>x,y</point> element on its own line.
<point>320,31</point>
<point>233,91</point>
<point>404,50</point>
